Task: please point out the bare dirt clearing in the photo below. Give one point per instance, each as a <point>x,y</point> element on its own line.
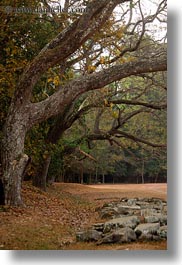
<point>51,218</point>
<point>160,187</point>
<point>109,192</point>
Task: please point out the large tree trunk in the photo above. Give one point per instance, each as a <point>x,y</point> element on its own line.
<point>40,180</point>
<point>14,160</point>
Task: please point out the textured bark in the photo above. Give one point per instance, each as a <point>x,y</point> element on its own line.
<point>97,121</point>
<point>139,103</point>
<point>14,163</point>
<point>40,180</point>
<point>14,160</point>
<point>2,196</point>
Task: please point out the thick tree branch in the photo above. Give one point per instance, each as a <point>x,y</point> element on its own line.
<point>139,103</point>
<point>97,120</point>
<point>86,154</point>
<point>65,44</point>
<point>119,134</point>
<point>59,100</point>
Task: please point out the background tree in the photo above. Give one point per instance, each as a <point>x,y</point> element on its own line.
<point>137,139</point>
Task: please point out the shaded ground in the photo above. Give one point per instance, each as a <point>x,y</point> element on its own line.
<point>51,218</point>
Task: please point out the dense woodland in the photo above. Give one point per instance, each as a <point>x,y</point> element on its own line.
<point>83,96</point>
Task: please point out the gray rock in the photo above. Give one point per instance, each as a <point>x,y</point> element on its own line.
<point>156,200</point>
<point>156,237</point>
<point>151,219</point>
<point>126,207</point>
<point>122,235</point>
<point>124,199</point>
<point>158,207</point>
<point>81,236</point>
<point>131,202</point>
<point>126,235</point>
<point>146,237</point>
<point>122,210</point>
<point>99,227</point>
<point>129,220</point>
<point>149,237</point>
<point>148,228</point>
<point>162,232</point>
<point>148,212</point>
<point>126,221</point>
<point>161,218</point>
<point>140,203</point>
<point>164,210</point>
<point>108,212</point>
<point>108,205</point>
<point>88,235</point>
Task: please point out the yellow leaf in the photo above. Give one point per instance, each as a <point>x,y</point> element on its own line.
<point>102,60</point>
<point>91,68</point>
<point>49,80</point>
<point>106,103</point>
<point>115,114</point>
<point>111,105</point>
<point>56,81</point>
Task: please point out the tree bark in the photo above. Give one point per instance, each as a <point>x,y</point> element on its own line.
<point>40,180</point>
<point>103,178</point>
<point>14,160</point>
<point>45,171</point>
<point>156,178</point>
<point>81,172</point>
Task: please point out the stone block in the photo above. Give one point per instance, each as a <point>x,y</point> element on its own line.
<point>148,228</point>
<point>126,221</point>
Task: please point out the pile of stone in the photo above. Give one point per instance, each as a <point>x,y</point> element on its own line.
<point>128,220</point>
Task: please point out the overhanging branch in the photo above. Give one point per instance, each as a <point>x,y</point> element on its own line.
<point>139,103</point>
<point>118,133</point>
<point>57,102</point>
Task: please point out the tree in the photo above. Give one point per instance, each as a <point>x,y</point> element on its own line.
<point>23,114</point>
<point>133,121</point>
<point>118,112</point>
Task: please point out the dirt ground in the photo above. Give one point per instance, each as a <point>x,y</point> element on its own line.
<point>159,189</point>
<point>50,219</point>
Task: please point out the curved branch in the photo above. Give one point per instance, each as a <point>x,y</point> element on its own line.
<point>122,121</point>
<point>139,103</point>
<point>65,44</point>
<point>59,100</point>
<point>119,134</point>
